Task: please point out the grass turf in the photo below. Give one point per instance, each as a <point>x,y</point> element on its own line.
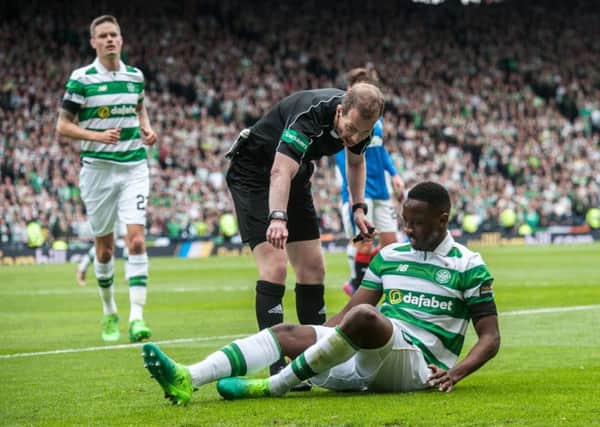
<point>547,372</point>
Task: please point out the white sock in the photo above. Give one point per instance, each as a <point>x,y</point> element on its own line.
<point>137,300</point>
<point>324,354</point>
<point>241,357</point>
<point>351,253</point>
<point>105,274</point>
<point>136,272</point>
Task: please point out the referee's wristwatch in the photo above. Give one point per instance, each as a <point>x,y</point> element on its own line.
<point>360,205</point>
<point>277,214</point>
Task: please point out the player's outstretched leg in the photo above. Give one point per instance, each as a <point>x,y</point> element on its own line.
<point>174,378</point>
<point>243,388</point>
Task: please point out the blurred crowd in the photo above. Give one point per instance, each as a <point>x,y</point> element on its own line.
<point>500,103</point>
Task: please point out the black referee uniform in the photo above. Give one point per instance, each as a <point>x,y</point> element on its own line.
<point>300,127</point>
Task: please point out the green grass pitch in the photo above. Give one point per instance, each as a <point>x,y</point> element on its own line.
<point>55,370</point>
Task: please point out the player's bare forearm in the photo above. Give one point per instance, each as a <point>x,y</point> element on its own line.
<point>143,116</point>
<point>148,134</point>
<point>67,126</point>
<point>485,348</point>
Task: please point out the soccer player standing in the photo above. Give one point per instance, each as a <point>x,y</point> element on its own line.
<point>103,107</point>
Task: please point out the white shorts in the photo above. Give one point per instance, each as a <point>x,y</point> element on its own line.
<point>112,191</point>
<point>396,367</point>
<point>382,215</point>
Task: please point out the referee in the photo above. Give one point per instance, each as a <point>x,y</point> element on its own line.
<point>269,180</point>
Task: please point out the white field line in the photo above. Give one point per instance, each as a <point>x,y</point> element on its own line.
<point>125,289</point>
<point>549,310</point>
<point>120,346</point>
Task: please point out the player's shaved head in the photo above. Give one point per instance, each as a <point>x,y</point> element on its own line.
<point>433,194</point>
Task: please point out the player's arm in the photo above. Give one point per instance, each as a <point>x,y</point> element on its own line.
<point>356,171</point>
<point>397,181</point>
<point>370,291</point>
<point>148,133</point>
<point>361,296</point>
<point>485,321</point>
<point>283,170</point>
<point>67,126</point>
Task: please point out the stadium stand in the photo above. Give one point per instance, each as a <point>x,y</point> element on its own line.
<point>500,103</point>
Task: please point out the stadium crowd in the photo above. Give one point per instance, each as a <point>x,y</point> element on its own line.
<point>500,103</point>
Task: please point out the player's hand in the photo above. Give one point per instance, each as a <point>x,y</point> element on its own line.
<point>148,135</point>
<point>277,233</point>
<point>109,136</point>
<point>440,378</point>
<point>365,228</point>
<point>398,185</point>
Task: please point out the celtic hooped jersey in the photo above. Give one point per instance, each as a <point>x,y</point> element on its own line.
<point>107,100</point>
<point>430,294</point>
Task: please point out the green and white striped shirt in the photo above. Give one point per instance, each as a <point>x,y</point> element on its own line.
<point>430,293</point>
<point>107,100</point>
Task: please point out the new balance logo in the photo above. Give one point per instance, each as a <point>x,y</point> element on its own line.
<point>402,268</point>
<point>323,310</point>
<point>278,309</point>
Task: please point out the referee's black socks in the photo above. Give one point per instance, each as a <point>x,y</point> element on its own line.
<point>269,306</point>
<point>310,304</point>
<point>269,311</point>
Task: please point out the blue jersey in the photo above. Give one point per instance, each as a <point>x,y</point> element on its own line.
<point>378,162</point>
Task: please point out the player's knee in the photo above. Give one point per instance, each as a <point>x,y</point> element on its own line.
<point>104,254</point>
<point>137,245</point>
<point>361,318</point>
<point>284,329</point>
<point>293,339</point>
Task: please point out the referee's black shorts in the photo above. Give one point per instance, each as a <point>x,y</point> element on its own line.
<point>249,187</point>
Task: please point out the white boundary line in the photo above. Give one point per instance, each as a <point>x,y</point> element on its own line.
<point>229,337</point>
<point>125,289</point>
<point>119,346</point>
<point>550,310</point>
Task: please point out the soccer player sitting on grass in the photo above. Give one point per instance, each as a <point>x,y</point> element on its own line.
<point>431,288</point>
